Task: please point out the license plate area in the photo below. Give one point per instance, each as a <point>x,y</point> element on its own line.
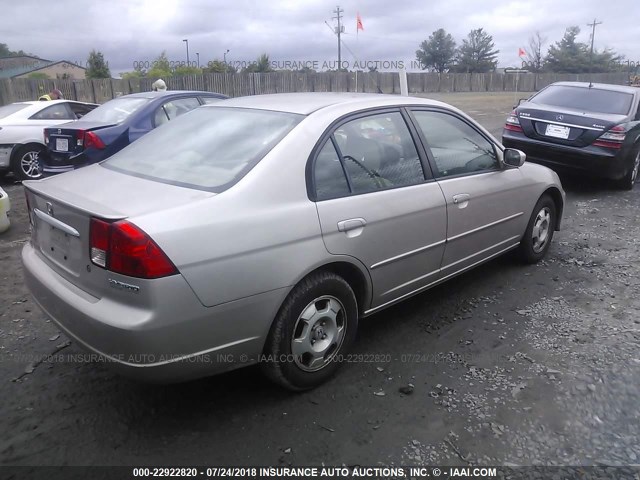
<point>58,246</point>
<point>557,131</point>
<point>62,144</point>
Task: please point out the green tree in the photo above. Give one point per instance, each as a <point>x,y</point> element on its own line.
<point>438,52</point>
<point>97,67</point>
<point>161,67</point>
<point>477,54</point>
<point>187,71</point>
<point>6,52</point>
<point>568,55</point>
<point>218,66</point>
<point>571,56</point>
<point>132,74</point>
<point>262,65</point>
<point>38,76</point>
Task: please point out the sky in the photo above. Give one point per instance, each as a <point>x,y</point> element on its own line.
<point>132,31</point>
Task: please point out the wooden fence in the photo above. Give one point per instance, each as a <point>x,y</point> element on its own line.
<point>235,85</point>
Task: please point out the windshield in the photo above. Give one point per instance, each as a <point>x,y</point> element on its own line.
<point>13,108</point>
<point>116,111</point>
<point>585,99</point>
<point>207,148</point>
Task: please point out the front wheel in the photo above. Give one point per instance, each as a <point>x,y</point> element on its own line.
<point>539,233</point>
<point>27,162</point>
<point>629,180</point>
<point>315,326</point>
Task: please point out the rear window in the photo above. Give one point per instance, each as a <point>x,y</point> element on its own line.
<point>116,110</point>
<point>585,99</point>
<point>11,109</point>
<point>207,148</point>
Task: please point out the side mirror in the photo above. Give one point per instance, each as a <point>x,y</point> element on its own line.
<point>514,158</point>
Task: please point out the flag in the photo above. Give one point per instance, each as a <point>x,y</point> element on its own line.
<point>359,22</point>
<point>521,52</point>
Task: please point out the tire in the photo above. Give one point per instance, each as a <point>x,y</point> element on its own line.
<point>26,163</point>
<point>321,337</point>
<point>629,180</point>
<point>539,233</point>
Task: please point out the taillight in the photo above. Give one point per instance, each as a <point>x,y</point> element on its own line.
<point>122,247</point>
<point>93,140</point>
<point>614,138</point>
<point>88,139</point>
<point>513,123</point>
<point>46,137</point>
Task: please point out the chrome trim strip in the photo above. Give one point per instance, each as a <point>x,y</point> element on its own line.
<point>54,222</point>
<point>479,253</point>
<point>414,292</point>
<point>488,225</point>
<point>564,124</point>
<point>410,282</point>
<point>407,254</point>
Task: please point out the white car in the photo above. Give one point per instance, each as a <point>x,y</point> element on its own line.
<point>21,132</point>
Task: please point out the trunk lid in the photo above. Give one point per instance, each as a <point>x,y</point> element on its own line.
<point>61,208</point>
<point>564,126</point>
<point>65,140</point>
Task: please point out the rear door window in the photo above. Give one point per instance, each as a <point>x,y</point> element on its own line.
<point>173,109</point>
<point>378,153</point>
<point>80,109</point>
<point>59,111</point>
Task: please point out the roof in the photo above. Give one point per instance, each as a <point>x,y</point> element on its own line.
<point>599,86</point>
<point>307,103</point>
<point>169,93</point>
<point>16,72</point>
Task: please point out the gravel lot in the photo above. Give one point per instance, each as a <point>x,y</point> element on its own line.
<point>510,364</point>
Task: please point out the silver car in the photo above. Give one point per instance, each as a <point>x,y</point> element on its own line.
<point>261,229</point>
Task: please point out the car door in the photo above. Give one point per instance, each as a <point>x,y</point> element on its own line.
<point>376,203</point>
<point>486,200</point>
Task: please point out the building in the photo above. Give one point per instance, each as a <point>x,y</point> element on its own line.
<point>26,66</point>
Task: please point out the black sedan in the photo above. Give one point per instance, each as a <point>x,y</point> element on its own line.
<point>114,125</point>
<point>589,128</point>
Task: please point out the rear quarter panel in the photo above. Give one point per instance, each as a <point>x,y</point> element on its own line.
<point>260,235</point>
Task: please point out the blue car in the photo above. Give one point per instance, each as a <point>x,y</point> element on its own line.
<point>114,125</point>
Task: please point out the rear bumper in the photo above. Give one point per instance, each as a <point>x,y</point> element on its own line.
<point>60,163</point>
<point>178,340</point>
<point>598,161</point>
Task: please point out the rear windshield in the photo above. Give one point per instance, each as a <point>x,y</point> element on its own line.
<point>208,148</point>
<point>116,110</point>
<point>585,99</point>
<point>13,108</point>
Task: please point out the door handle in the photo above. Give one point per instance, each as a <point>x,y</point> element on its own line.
<point>351,224</point>
<point>461,198</point>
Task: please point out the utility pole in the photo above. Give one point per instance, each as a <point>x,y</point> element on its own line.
<point>593,35</point>
<point>339,30</point>
<point>187,42</point>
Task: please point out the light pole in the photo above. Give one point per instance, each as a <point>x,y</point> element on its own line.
<point>187,42</point>
<point>224,57</point>
<point>198,56</point>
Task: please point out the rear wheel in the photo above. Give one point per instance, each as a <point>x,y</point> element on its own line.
<point>313,329</point>
<point>629,180</point>
<point>539,233</point>
<point>27,163</point>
